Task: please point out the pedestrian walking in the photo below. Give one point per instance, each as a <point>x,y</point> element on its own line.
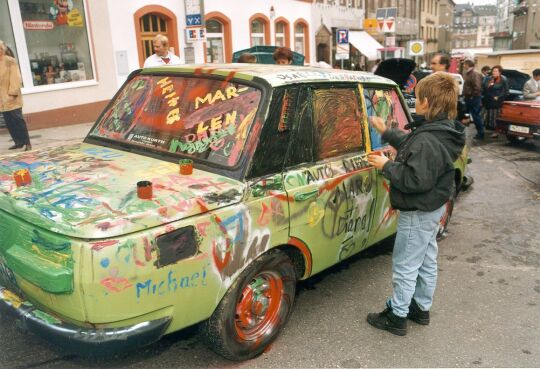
<point>472,92</point>
<point>531,89</point>
<point>421,180</point>
<point>495,91</point>
<point>11,100</point>
<point>162,55</point>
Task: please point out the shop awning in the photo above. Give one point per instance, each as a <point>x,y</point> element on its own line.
<point>366,44</point>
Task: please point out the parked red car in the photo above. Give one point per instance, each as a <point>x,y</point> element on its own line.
<point>519,120</point>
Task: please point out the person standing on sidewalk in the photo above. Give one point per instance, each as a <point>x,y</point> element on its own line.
<point>531,90</point>
<point>162,55</point>
<point>472,92</point>
<point>495,91</point>
<point>11,100</point>
<point>421,181</point>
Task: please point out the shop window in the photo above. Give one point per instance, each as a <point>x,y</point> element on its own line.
<point>215,46</point>
<point>151,26</point>
<point>6,30</point>
<point>57,41</point>
<point>257,32</point>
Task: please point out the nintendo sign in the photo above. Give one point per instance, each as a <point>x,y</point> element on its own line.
<point>38,25</point>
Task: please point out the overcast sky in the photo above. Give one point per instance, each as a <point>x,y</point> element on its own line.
<point>476,2</point>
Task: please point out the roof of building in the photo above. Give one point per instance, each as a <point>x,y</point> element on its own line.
<point>486,10</point>
<point>460,8</point>
<point>275,75</point>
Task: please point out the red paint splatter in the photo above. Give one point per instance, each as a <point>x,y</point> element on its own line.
<point>221,264</point>
<point>98,246</point>
<point>201,228</point>
<point>115,284</point>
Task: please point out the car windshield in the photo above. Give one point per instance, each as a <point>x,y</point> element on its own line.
<point>204,119</point>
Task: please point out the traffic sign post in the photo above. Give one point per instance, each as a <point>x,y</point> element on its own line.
<point>386,23</point>
<point>342,45</point>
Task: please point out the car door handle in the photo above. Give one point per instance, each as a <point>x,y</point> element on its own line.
<point>303,196</point>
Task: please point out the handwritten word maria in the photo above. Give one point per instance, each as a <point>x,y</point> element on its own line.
<point>171,284</point>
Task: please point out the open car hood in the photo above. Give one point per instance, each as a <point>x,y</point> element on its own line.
<point>396,69</point>
<point>516,79</point>
<point>88,191</point>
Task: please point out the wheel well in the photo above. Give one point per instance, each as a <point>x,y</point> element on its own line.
<point>297,259</point>
<point>458,179</point>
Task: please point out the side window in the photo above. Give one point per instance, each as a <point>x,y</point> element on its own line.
<point>337,121</point>
<point>384,103</point>
<point>269,156</point>
<point>301,147</point>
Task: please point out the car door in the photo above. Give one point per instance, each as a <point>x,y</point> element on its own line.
<point>327,178</point>
<point>386,103</point>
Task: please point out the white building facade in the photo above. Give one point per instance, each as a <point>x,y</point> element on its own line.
<point>74,54</point>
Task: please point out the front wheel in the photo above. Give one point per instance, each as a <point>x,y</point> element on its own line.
<point>253,311</point>
<point>449,208</point>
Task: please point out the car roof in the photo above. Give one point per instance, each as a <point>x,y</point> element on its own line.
<point>274,75</point>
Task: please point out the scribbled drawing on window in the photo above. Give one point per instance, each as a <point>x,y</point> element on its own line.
<point>384,103</point>
<point>205,119</point>
<point>337,120</point>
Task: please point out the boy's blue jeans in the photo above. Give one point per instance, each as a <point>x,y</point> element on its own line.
<point>414,260</point>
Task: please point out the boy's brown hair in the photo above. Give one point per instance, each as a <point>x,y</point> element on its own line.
<point>441,91</point>
<point>283,53</point>
<point>247,58</point>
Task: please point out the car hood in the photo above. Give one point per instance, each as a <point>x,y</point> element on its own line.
<point>90,191</point>
<point>516,79</point>
<point>396,69</point>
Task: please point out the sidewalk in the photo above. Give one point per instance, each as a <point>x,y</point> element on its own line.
<point>41,138</point>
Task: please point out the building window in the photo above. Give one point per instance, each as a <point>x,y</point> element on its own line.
<point>258,31</point>
<point>282,31</point>
<point>299,40</point>
<point>56,41</point>
<point>215,45</point>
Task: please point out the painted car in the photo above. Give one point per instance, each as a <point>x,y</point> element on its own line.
<point>254,177</point>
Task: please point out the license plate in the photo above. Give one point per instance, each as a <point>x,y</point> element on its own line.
<point>519,129</point>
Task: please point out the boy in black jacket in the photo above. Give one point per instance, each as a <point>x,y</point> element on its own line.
<point>421,179</point>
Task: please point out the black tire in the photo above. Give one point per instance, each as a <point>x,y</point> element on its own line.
<point>445,219</point>
<point>516,139</point>
<point>250,317</point>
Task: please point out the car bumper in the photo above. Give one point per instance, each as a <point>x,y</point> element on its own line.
<point>80,339</point>
<point>518,129</point>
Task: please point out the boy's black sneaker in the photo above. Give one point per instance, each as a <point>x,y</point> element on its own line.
<point>418,315</point>
<point>388,321</point>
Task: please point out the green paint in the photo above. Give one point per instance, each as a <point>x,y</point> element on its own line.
<point>46,317</point>
<point>46,274</point>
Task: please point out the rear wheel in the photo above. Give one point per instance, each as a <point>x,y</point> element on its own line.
<point>449,208</point>
<point>254,310</point>
<point>516,139</point>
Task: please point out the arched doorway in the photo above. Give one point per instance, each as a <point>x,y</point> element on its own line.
<point>150,21</point>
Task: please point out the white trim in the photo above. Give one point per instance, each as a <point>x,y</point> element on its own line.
<point>58,86</point>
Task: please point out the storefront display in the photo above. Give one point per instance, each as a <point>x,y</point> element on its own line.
<point>56,40</point>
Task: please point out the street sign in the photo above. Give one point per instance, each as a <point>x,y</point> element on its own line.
<point>416,47</point>
<point>342,36</point>
<point>386,20</point>
<point>195,34</point>
<point>370,25</point>
<point>342,51</point>
<point>194,13</point>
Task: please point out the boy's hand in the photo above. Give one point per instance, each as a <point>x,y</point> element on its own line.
<point>378,124</point>
<point>377,160</point>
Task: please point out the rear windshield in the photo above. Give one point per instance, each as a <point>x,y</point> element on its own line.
<point>203,119</point>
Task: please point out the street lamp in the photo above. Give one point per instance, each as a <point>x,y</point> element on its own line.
<point>272,12</point>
